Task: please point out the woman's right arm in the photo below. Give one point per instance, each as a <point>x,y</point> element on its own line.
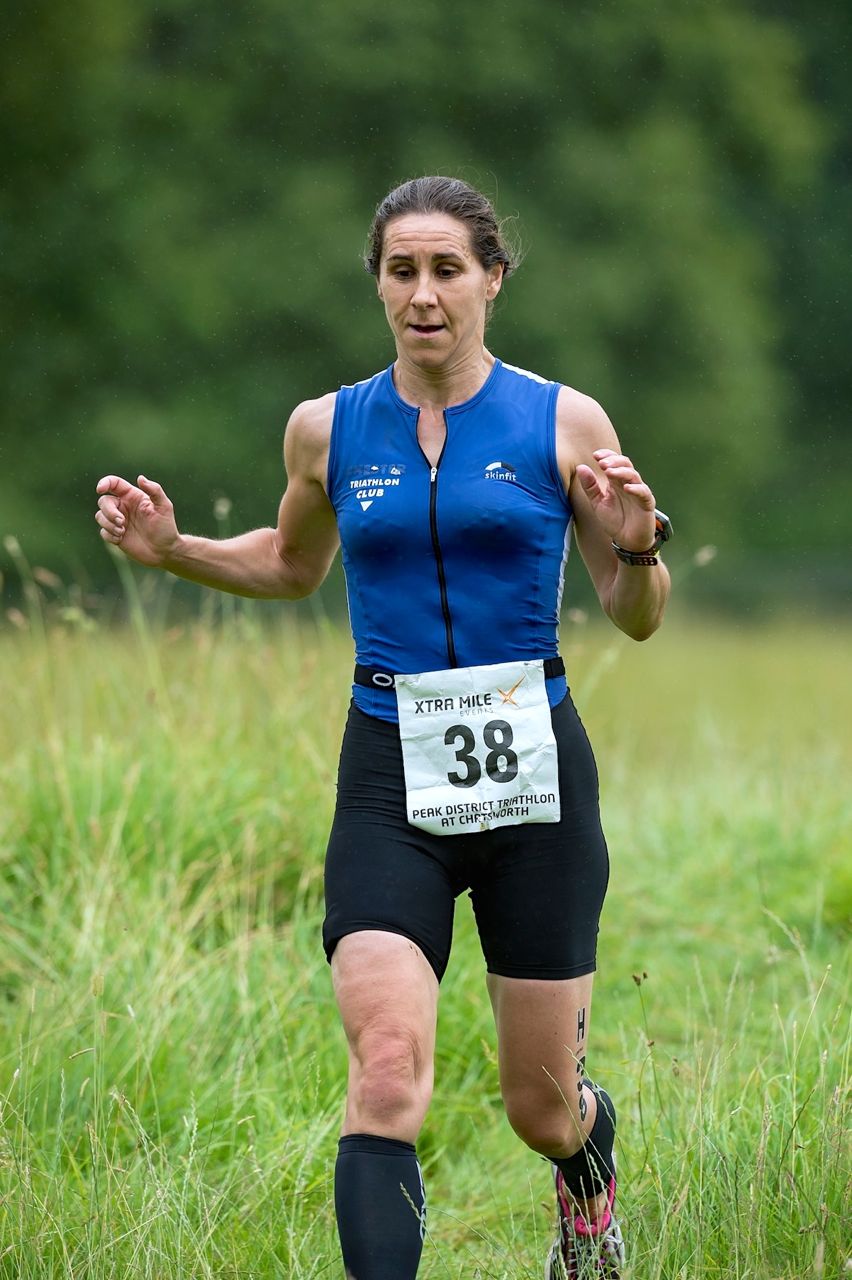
<point>287,562</point>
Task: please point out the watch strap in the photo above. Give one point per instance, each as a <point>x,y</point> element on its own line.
<point>649,557</point>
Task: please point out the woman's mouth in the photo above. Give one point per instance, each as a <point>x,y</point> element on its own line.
<point>427,330</point>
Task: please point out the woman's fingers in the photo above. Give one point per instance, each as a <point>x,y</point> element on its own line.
<point>592,486</point>
<point>624,475</point>
<point>643,492</point>
<point>116,486</point>
<point>110,517</point>
<point>112,492</point>
<point>608,460</point>
<point>112,524</point>
<point>618,469</point>
<point>152,490</point>
<point>118,500</point>
<point>109,508</point>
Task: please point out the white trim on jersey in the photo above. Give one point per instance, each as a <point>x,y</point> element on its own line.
<point>565,552</point>
<point>526,373</point>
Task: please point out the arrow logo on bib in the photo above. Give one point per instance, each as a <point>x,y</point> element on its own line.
<point>507,695</point>
<point>365,505</point>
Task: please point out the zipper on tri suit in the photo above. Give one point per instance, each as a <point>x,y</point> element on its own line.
<point>439,559</point>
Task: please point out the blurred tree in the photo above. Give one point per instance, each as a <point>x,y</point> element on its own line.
<point>189,189</point>
<point>810,240</point>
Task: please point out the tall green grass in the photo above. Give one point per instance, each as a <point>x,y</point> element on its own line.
<point>171,1069</point>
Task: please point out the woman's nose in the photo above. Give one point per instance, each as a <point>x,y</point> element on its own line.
<point>424,294</point>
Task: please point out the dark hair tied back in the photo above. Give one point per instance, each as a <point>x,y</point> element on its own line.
<point>443,195</point>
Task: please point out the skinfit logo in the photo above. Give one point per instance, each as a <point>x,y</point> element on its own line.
<point>500,471</point>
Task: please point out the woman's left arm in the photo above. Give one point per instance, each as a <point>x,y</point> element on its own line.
<point>611,503</point>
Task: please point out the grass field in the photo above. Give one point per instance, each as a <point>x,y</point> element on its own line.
<point>171,1070</point>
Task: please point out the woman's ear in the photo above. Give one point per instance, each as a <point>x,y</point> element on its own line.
<point>495,281</point>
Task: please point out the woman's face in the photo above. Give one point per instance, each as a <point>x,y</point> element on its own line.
<point>434,289</point>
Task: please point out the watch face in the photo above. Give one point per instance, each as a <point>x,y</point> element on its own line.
<point>664,528</point>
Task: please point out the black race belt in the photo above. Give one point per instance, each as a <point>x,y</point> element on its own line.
<point>374,678</point>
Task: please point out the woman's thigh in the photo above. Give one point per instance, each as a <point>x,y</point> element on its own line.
<point>387,994</point>
<point>539,888</point>
<point>380,872</point>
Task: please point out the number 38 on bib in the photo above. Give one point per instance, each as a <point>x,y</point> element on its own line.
<point>478,748</point>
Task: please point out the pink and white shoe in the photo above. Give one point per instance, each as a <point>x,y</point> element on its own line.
<point>584,1250</point>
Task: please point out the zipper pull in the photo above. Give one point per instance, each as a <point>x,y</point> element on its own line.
<point>434,475</point>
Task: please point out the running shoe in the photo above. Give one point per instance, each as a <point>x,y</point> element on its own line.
<point>584,1250</point>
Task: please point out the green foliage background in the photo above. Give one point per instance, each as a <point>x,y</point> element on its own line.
<point>186,192</point>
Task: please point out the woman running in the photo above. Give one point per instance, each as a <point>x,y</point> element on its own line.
<point>453,483</point>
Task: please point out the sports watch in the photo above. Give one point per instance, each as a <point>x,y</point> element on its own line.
<point>662,534</point>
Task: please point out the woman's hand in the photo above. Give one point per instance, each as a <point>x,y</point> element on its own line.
<point>137,518</point>
<point>622,502</point>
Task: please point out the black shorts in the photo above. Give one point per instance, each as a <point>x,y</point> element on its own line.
<point>537,889</point>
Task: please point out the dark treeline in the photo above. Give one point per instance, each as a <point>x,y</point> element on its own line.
<point>186,192</point>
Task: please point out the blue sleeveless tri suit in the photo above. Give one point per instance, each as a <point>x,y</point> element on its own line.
<point>457,565</point>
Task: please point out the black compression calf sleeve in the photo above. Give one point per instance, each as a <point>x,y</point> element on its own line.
<point>380,1206</point>
<point>589,1170</point>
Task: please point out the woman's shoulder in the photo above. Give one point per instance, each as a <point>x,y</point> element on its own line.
<point>308,429</point>
<point>312,417</point>
<point>315,417</point>
<point>582,425</point>
<point>578,412</point>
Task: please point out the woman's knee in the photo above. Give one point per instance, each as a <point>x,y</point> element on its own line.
<point>390,1077</point>
<point>545,1120</point>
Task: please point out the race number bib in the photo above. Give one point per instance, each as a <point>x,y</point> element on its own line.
<point>478,748</point>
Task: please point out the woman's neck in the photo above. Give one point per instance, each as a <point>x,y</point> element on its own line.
<point>445,386</point>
